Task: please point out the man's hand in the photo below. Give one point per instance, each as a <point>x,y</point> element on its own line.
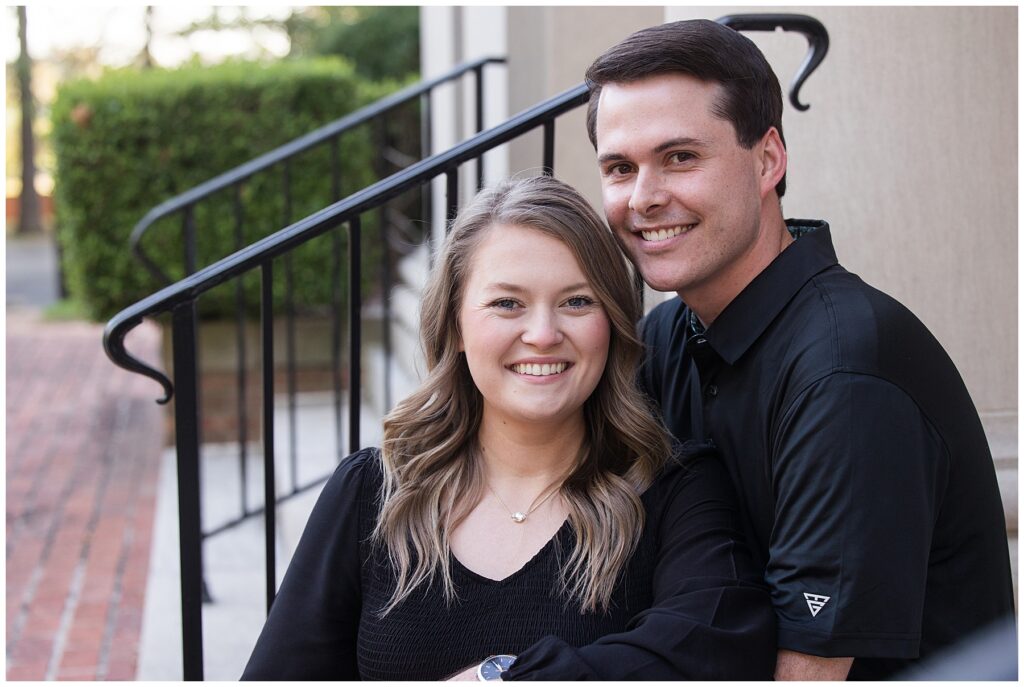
<point>467,674</point>
<point>792,665</point>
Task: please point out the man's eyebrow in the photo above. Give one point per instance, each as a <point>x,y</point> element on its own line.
<point>610,157</point>
<point>682,141</point>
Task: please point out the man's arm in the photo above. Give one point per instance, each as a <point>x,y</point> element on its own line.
<point>792,665</point>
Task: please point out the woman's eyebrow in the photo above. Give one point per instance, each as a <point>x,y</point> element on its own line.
<point>516,288</point>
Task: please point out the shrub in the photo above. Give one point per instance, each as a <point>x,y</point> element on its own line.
<point>131,140</point>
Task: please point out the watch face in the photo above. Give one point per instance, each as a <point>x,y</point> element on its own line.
<point>492,668</point>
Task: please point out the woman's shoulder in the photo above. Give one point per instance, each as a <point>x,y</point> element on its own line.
<point>358,476</point>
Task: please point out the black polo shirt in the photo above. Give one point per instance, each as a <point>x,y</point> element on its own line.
<point>863,471</point>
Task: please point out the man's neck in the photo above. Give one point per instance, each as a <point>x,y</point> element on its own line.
<point>708,300</point>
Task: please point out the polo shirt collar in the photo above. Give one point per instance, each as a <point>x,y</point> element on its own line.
<point>741,323</point>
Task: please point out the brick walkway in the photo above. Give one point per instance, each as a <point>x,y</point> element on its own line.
<point>83,446</point>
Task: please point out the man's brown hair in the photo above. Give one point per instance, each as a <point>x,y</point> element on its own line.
<point>751,98</point>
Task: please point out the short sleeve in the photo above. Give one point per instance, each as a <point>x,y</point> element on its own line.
<point>857,473</point>
<point>312,628</point>
<point>711,616</point>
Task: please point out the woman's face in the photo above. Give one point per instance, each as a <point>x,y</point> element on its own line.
<point>535,337</point>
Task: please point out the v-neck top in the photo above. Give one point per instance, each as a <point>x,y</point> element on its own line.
<point>688,605</point>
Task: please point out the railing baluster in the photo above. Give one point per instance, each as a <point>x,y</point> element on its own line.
<point>452,197</point>
<point>189,239</point>
<point>386,304</point>
<point>240,320</point>
<point>479,73</point>
<point>355,331</point>
<point>426,190</point>
<point>289,288</point>
<point>549,147</point>
<point>190,541</point>
<point>335,170</point>
<point>269,491</point>
<point>336,304</point>
<point>339,447</point>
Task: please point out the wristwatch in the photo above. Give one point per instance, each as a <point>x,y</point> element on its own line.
<point>494,666</point>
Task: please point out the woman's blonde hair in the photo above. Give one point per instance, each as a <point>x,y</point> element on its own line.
<point>430,454</point>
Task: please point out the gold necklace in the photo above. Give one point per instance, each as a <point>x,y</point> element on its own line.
<point>519,516</point>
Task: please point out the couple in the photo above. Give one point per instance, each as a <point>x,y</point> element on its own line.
<point>830,512</point>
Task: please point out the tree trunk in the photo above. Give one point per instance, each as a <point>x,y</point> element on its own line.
<point>145,58</point>
<point>28,205</point>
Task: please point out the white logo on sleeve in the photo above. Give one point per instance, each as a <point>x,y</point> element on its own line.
<point>816,602</point>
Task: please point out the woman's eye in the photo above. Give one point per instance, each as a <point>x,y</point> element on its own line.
<point>579,302</point>
<point>505,304</point>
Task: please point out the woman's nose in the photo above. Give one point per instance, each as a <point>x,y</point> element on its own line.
<point>542,330</point>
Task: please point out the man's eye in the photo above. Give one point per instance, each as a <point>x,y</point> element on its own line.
<point>618,170</point>
<point>681,156</point>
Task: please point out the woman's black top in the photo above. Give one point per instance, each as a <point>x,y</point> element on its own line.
<point>689,604</point>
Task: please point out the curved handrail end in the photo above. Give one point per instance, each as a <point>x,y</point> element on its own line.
<point>113,344</point>
<point>812,29</point>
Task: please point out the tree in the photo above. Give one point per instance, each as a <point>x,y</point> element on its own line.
<point>29,219</point>
<point>145,58</point>
<point>381,42</point>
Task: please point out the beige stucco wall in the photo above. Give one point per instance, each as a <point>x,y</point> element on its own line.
<point>909,150</point>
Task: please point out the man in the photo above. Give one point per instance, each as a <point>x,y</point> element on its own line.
<point>866,482</point>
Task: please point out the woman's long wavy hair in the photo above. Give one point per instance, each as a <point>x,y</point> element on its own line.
<point>430,453</point>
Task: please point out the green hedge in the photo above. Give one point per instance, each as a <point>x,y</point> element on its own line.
<point>131,140</point>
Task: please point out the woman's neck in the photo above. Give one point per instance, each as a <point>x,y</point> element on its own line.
<point>530,451</point>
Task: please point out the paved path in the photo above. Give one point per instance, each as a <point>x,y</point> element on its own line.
<point>84,440</point>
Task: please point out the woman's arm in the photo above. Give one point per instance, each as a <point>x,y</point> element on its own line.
<point>311,631</point>
<point>711,617</point>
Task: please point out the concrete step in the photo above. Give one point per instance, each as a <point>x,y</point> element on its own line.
<point>234,561</point>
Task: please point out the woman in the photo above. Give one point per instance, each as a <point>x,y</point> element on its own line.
<point>525,502</point>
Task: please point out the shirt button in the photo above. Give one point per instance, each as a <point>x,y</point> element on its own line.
<point>712,390</point>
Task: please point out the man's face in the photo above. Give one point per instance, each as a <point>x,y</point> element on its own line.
<point>682,196</point>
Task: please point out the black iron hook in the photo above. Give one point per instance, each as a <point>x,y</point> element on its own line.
<point>811,28</point>
<point>113,344</point>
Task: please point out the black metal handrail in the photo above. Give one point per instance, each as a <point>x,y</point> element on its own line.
<point>185,291</point>
<point>282,157</point>
<point>183,202</point>
<point>180,300</point>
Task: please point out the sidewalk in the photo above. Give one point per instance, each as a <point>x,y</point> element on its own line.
<point>84,440</point>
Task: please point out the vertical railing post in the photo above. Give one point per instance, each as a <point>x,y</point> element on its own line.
<point>188,230</point>
<point>549,147</point>
<point>269,491</point>
<point>426,190</point>
<point>478,71</point>
<point>452,197</point>
<point>355,331</point>
<point>240,321</point>
<point>289,281</point>
<point>339,448</point>
<point>386,286</point>
<point>186,427</point>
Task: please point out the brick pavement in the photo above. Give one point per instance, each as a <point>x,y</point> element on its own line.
<point>84,440</point>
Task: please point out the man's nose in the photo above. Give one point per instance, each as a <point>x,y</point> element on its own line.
<point>542,329</point>
<point>649,193</point>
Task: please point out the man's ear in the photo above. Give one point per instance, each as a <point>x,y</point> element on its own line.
<point>772,160</point>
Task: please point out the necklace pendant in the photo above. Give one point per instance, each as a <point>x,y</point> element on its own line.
<point>518,517</point>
